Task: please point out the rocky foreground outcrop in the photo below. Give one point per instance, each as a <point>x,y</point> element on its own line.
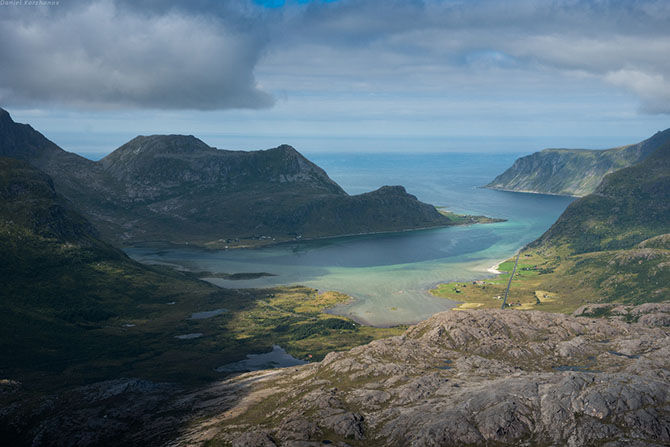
<point>466,378</point>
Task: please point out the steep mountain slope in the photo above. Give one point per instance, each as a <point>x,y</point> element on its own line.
<point>75,177</point>
<point>65,294</point>
<point>30,203</point>
<point>629,206</point>
<point>574,172</point>
<point>176,189</point>
<point>610,246</point>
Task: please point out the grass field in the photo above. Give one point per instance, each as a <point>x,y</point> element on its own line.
<point>556,281</point>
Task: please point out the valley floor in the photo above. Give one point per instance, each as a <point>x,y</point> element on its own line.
<point>553,280</point>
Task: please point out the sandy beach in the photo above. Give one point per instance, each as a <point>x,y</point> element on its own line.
<point>494,269</point>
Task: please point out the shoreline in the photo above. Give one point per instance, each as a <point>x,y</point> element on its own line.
<point>461,305</point>
<point>494,188</point>
<point>172,245</point>
<point>165,245</point>
<point>479,270</point>
<point>494,268</point>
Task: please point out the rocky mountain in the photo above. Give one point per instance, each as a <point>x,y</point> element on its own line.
<point>158,166</point>
<point>574,172</point>
<point>75,177</point>
<point>464,378</point>
<point>178,180</point>
<point>628,207</point>
<point>176,189</point>
<point>494,377</point>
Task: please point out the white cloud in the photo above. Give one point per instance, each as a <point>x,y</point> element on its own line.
<point>102,55</point>
<point>653,89</point>
<point>205,54</point>
<point>429,45</point>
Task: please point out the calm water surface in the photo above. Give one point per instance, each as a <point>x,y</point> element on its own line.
<point>389,274</point>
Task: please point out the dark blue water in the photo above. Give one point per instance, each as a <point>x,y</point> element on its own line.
<point>389,274</point>
<point>449,179</point>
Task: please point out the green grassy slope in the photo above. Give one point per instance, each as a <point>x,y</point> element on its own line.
<point>629,206</point>
<point>575,172</point>
<point>614,241</point>
<point>610,246</point>
<point>552,280</point>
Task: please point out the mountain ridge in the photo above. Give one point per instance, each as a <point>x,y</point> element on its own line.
<point>573,172</point>
<point>628,206</point>
<point>174,159</point>
<point>175,189</point>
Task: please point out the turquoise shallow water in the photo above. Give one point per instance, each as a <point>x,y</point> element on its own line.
<point>389,274</point>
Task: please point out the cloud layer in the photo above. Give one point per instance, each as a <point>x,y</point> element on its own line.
<point>433,42</point>
<point>99,54</point>
<point>207,54</point>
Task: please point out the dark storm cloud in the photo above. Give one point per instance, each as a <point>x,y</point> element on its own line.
<point>104,54</point>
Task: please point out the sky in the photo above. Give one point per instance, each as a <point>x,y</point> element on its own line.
<point>339,75</point>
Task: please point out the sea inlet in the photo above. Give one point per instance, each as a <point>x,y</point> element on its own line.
<point>389,275</point>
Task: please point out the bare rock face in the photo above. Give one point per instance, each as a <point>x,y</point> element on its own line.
<point>114,412</point>
<point>260,439</point>
<point>470,378</point>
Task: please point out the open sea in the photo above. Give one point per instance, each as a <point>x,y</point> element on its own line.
<point>389,275</point>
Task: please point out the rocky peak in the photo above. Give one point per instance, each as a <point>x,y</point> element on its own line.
<point>5,118</point>
<point>285,164</point>
<point>656,140</point>
<point>390,193</point>
<point>390,190</point>
<point>285,148</point>
<point>23,142</point>
<point>144,157</point>
<point>156,145</point>
<point>168,143</point>
<point>284,153</point>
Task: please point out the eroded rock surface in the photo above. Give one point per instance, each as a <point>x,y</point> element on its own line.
<point>486,377</point>
<point>471,378</point>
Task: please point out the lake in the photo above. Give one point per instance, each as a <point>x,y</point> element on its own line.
<point>389,275</point>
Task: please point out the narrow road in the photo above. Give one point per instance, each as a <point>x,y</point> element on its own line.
<point>509,283</point>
